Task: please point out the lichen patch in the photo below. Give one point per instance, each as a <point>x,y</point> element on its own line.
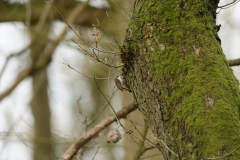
<point>161,46</point>
<point>196,49</point>
<point>209,102</point>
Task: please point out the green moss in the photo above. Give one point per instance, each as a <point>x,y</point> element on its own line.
<point>183,77</point>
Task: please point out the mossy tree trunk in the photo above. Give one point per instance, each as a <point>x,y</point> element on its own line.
<point>180,78</point>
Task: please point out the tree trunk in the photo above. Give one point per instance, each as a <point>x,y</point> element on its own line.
<point>43,142</point>
<point>180,78</point>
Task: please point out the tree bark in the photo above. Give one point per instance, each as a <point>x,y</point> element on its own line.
<point>180,78</point>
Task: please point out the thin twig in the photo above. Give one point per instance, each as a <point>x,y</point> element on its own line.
<point>165,146</point>
<point>85,75</point>
<point>83,115</point>
<point>80,151</point>
<point>138,130</point>
<point>150,144</point>
<point>108,102</point>
<point>5,64</point>
<point>122,8</point>
<point>109,72</point>
<point>100,112</point>
<point>229,4</point>
<point>96,57</point>
<point>86,3</point>
<point>95,118</point>
<point>149,148</point>
<point>114,27</point>
<point>10,56</point>
<point>96,152</point>
<point>20,78</point>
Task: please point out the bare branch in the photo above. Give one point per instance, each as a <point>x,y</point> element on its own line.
<point>229,4</point>
<point>234,62</point>
<point>19,79</point>
<point>69,154</point>
<point>13,55</point>
<point>165,146</point>
<point>5,63</point>
<point>95,153</point>
<point>85,75</point>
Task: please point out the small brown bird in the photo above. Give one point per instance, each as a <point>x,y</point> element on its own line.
<point>119,83</point>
